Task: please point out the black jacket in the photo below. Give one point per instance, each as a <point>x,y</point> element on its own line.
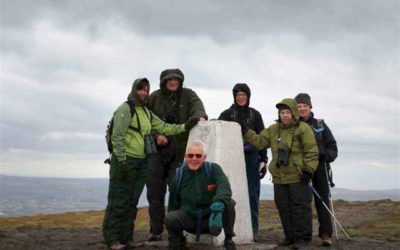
<point>251,117</point>
<point>327,147</point>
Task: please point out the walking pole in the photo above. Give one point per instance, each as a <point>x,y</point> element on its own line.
<point>330,199</point>
<point>327,208</point>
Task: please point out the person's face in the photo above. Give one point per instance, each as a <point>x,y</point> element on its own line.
<point>173,84</point>
<point>241,98</point>
<point>195,157</point>
<point>286,116</point>
<point>143,92</point>
<point>304,110</point>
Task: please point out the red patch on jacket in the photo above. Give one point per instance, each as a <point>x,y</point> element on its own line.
<point>211,187</point>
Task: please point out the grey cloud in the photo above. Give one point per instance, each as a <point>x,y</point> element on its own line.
<point>221,19</point>
<point>60,87</point>
<point>29,113</point>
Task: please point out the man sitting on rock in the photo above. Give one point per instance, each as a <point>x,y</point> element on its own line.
<point>200,200</point>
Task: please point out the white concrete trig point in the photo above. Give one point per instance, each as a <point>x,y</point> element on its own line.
<point>225,147</point>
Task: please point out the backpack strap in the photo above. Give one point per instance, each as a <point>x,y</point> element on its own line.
<point>251,115</point>
<point>131,107</point>
<point>321,126</point>
<point>208,168</point>
<point>179,173</point>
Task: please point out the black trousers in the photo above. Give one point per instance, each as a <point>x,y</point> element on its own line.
<point>320,183</point>
<point>294,205</point>
<point>178,221</point>
<point>162,170</point>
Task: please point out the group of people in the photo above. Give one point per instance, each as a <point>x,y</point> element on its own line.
<point>149,137</point>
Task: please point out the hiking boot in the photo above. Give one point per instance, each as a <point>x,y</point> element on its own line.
<point>286,242</point>
<point>129,245</point>
<point>229,244</point>
<point>155,237</point>
<point>298,244</point>
<point>326,240</point>
<point>117,246</point>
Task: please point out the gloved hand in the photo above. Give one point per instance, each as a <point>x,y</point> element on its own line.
<point>124,170</point>
<point>305,177</point>
<point>215,220</point>
<point>189,124</point>
<point>263,169</point>
<point>243,126</point>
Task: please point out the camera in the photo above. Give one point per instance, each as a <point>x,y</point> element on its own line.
<point>149,144</point>
<point>283,157</point>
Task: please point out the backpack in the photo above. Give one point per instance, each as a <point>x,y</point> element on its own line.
<point>179,173</point>
<point>319,129</point>
<point>110,126</point>
<point>249,119</point>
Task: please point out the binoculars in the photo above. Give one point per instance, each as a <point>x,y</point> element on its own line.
<point>149,145</point>
<point>283,157</point>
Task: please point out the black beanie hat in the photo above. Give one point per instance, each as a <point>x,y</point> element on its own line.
<point>303,98</point>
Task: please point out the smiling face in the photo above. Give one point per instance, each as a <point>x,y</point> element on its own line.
<point>241,98</point>
<point>286,116</point>
<point>304,110</point>
<point>195,157</point>
<point>173,84</point>
<point>143,93</point>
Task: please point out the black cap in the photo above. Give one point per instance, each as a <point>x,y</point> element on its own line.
<point>303,98</point>
<point>281,106</point>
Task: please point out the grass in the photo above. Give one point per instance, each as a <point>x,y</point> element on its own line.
<point>373,219</point>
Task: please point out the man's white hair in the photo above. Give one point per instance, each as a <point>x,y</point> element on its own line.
<point>197,143</point>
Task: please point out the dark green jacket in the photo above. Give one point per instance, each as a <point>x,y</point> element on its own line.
<point>176,107</point>
<point>297,139</point>
<point>128,141</point>
<point>195,191</point>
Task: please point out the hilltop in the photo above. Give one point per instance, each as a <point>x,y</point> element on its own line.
<point>372,225</point>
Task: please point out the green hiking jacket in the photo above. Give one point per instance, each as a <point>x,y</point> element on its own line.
<point>196,190</point>
<point>126,140</point>
<point>297,139</point>
<point>187,105</point>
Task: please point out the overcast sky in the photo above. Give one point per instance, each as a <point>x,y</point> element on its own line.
<point>67,65</point>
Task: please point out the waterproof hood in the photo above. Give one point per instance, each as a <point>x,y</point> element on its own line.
<point>292,104</point>
<point>241,87</point>
<point>133,95</point>
<point>168,74</point>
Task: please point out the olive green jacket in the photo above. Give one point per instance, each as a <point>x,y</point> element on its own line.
<point>297,138</point>
<point>129,141</point>
<point>183,104</point>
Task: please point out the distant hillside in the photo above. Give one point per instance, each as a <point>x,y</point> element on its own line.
<point>31,195</point>
<point>345,194</point>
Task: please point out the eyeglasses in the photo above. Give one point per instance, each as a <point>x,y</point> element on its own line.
<point>190,156</point>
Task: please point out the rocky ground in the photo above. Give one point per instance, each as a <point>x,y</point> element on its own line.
<point>371,225</point>
<point>84,238</point>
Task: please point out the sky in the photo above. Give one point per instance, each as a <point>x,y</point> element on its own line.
<point>67,65</point>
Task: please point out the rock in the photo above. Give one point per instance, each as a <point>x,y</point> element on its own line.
<point>225,147</point>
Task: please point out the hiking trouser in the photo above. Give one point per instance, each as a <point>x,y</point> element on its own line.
<point>253,184</point>
<point>320,183</point>
<point>178,221</point>
<point>123,197</point>
<point>162,170</point>
<point>294,205</point>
